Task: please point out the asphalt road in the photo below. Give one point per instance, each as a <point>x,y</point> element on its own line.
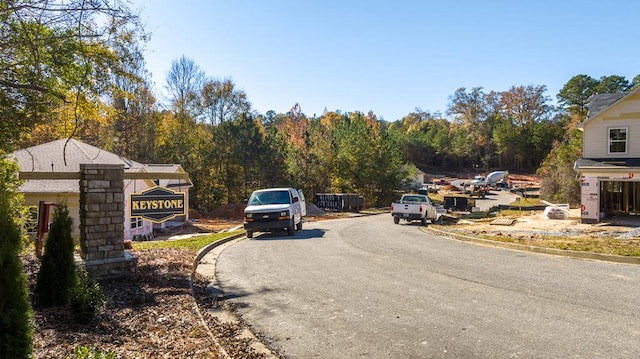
<point>364,287</point>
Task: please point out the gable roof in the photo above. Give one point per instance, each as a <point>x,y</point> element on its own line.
<point>600,103</point>
<point>63,156</point>
<point>67,156</point>
<point>168,168</point>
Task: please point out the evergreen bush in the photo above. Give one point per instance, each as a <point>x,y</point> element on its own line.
<point>57,275</point>
<point>16,330</point>
<point>86,299</point>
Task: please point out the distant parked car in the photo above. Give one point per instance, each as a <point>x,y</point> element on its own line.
<point>442,182</point>
<point>427,190</point>
<point>479,181</point>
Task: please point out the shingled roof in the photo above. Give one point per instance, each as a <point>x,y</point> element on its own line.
<point>54,157</point>
<point>168,168</point>
<point>64,156</point>
<point>599,102</point>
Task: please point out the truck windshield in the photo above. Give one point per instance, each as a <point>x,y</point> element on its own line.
<point>269,197</point>
<point>414,199</point>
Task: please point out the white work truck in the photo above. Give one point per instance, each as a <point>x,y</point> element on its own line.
<point>273,209</point>
<point>415,207</point>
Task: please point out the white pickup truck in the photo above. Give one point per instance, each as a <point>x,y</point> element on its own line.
<point>273,209</point>
<point>415,207</point>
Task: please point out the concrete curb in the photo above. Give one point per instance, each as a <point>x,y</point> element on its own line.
<point>535,249</point>
<point>206,249</point>
<point>223,315</point>
<point>201,253</point>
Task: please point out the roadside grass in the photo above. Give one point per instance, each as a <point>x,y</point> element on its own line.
<point>374,210</point>
<point>436,197</point>
<point>526,202</point>
<point>587,243</point>
<point>194,243</point>
<point>603,245</point>
<point>479,215</point>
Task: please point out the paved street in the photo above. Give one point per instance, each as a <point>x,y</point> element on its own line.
<point>365,287</point>
<point>494,198</point>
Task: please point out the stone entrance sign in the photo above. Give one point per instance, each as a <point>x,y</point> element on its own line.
<point>102,213</point>
<point>102,222</point>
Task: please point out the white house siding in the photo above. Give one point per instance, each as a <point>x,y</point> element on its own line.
<point>610,187</point>
<point>596,136</point>
<point>630,106</point>
<point>73,205</point>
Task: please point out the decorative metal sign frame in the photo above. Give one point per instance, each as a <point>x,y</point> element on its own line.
<point>158,204</point>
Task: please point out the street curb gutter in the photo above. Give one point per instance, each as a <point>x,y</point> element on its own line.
<point>222,314</point>
<point>206,249</point>
<point>201,253</point>
<point>535,249</point>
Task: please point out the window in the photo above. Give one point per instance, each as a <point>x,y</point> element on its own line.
<point>136,222</point>
<point>618,140</point>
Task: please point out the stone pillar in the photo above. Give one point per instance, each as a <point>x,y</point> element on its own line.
<point>102,222</point>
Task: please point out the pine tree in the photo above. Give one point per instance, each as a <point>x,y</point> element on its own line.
<point>57,275</point>
<point>16,330</point>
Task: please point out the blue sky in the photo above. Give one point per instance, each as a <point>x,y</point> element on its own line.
<point>389,57</point>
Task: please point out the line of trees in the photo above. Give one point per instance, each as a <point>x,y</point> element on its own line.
<point>76,69</point>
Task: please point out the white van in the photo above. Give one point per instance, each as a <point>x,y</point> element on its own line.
<point>275,209</point>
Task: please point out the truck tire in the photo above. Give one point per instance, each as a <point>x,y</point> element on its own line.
<point>396,220</point>
<point>249,234</point>
<point>299,225</point>
<point>291,230</point>
<point>423,222</point>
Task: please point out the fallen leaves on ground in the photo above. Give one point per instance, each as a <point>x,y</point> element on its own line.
<point>151,315</point>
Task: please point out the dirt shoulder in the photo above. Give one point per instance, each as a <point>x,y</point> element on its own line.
<point>151,315</point>
<point>533,223</point>
<point>619,236</point>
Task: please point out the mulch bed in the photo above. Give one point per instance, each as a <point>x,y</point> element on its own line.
<point>152,315</point>
<point>159,313</point>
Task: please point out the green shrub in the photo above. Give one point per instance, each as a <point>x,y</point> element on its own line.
<point>83,352</point>
<point>86,299</point>
<point>57,275</point>
<point>16,330</point>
